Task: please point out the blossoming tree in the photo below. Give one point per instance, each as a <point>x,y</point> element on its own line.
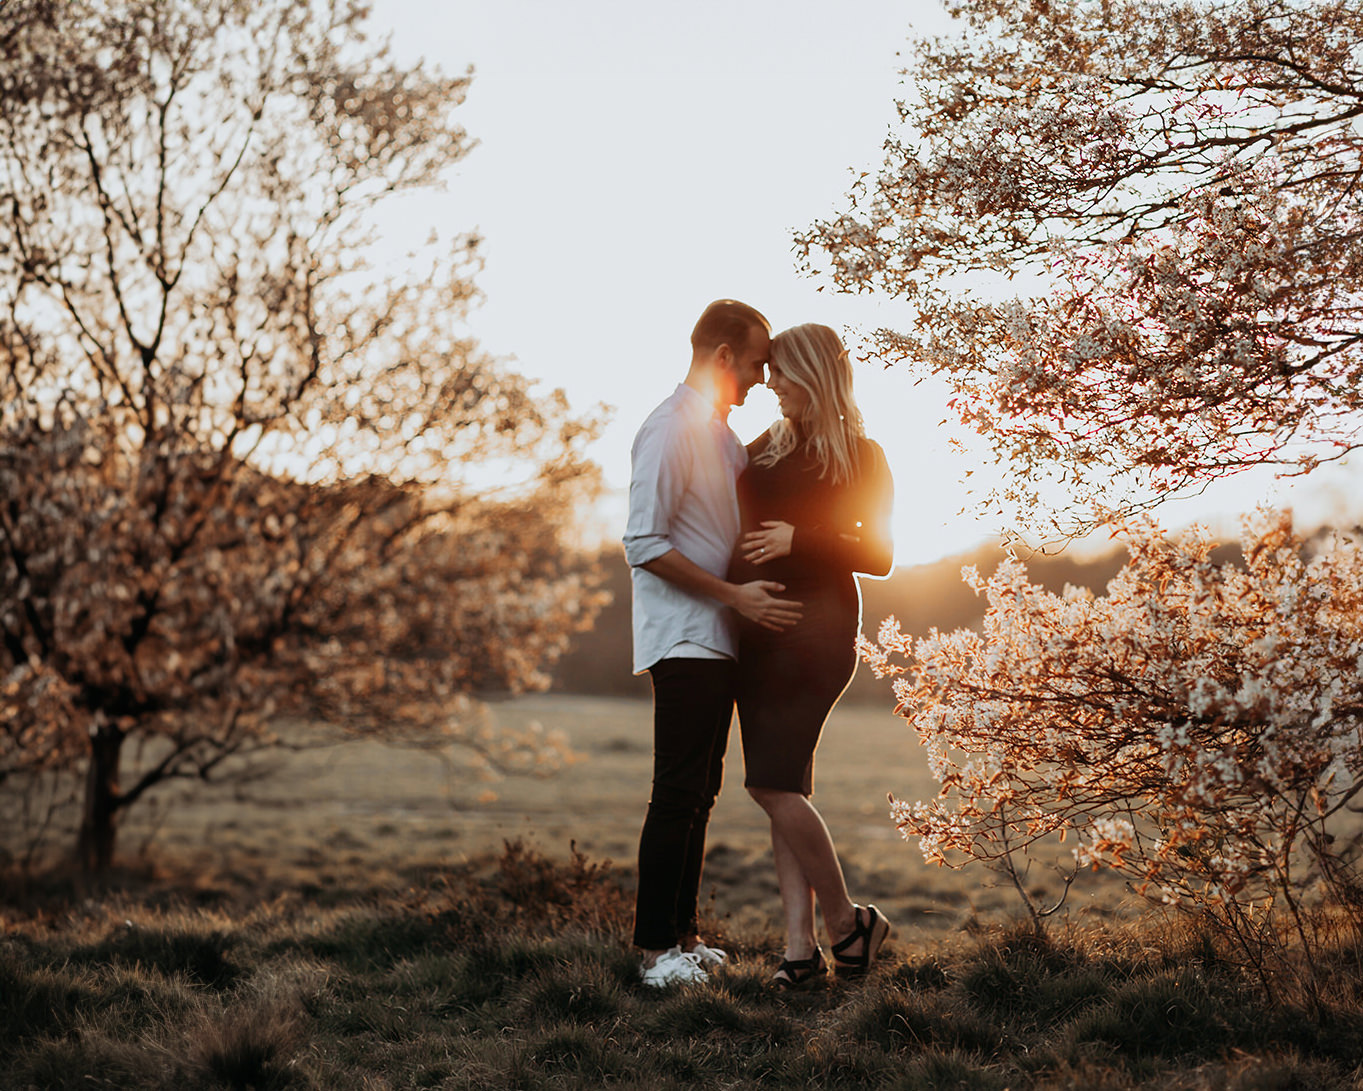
<point>1181,180</point>
<point>242,475</point>
<point>1184,178</point>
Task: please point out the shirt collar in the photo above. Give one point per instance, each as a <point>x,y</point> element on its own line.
<point>698,405</point>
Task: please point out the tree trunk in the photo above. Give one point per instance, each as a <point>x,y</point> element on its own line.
<point>98,827</point>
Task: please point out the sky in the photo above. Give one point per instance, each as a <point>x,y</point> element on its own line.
<point>637,160</point>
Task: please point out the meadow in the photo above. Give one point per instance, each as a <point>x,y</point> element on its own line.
<point>367,916</point>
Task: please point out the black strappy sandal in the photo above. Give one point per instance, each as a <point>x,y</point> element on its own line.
<point>874,931</point>
<point>799,971</point>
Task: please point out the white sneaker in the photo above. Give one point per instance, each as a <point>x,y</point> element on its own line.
<point>709,956</point>
<point>674,967</point>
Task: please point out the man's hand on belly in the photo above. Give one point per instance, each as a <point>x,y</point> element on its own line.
<point>757,602</point>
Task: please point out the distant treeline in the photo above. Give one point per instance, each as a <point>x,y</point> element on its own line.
<point>922,597</point>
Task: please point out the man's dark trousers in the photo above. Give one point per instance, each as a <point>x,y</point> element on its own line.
<point>693,702</point>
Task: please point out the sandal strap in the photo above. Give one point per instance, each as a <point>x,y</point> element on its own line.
<point>875,923</point>
<point>799,970</point>
<point>859,931</point>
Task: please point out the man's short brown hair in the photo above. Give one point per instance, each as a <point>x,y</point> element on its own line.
<point>727,322</point>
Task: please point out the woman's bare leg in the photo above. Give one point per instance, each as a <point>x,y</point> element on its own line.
<point>797,900</point>
<point>799,831</point>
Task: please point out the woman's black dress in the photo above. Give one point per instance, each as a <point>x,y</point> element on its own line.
<point>789,681</point>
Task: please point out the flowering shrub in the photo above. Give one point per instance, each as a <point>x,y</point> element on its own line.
<point>1198,729</point>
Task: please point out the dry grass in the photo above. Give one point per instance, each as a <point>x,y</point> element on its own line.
<point>336,819</point>
<point>511,973</point>
<point>359,921</point>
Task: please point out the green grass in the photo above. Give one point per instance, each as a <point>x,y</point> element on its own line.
<point>515,975</point>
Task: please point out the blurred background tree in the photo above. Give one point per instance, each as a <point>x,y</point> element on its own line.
<point>244,474</point>
<point>1181,180</point>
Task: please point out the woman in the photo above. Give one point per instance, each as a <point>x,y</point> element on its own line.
<point>815,504</point>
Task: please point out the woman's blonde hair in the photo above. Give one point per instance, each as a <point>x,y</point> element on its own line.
<point>813,358</point>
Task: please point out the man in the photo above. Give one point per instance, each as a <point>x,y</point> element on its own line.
<point>683,524</point>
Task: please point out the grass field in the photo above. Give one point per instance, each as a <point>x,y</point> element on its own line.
<point>358,920</point>
<point>356,815</point>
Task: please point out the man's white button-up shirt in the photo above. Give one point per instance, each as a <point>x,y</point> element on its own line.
<point>682,496</point>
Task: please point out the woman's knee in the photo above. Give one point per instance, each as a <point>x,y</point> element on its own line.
<point>769,798</point>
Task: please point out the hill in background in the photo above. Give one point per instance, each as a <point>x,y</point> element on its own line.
<point>922,597</point>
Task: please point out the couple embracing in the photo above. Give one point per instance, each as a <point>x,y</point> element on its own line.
<point>742,562</point>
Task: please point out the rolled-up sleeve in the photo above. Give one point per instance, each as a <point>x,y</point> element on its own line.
<point>683,467</point>
<point>656,485</point>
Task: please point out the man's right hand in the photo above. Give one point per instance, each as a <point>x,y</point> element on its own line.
<point>757,602</point>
